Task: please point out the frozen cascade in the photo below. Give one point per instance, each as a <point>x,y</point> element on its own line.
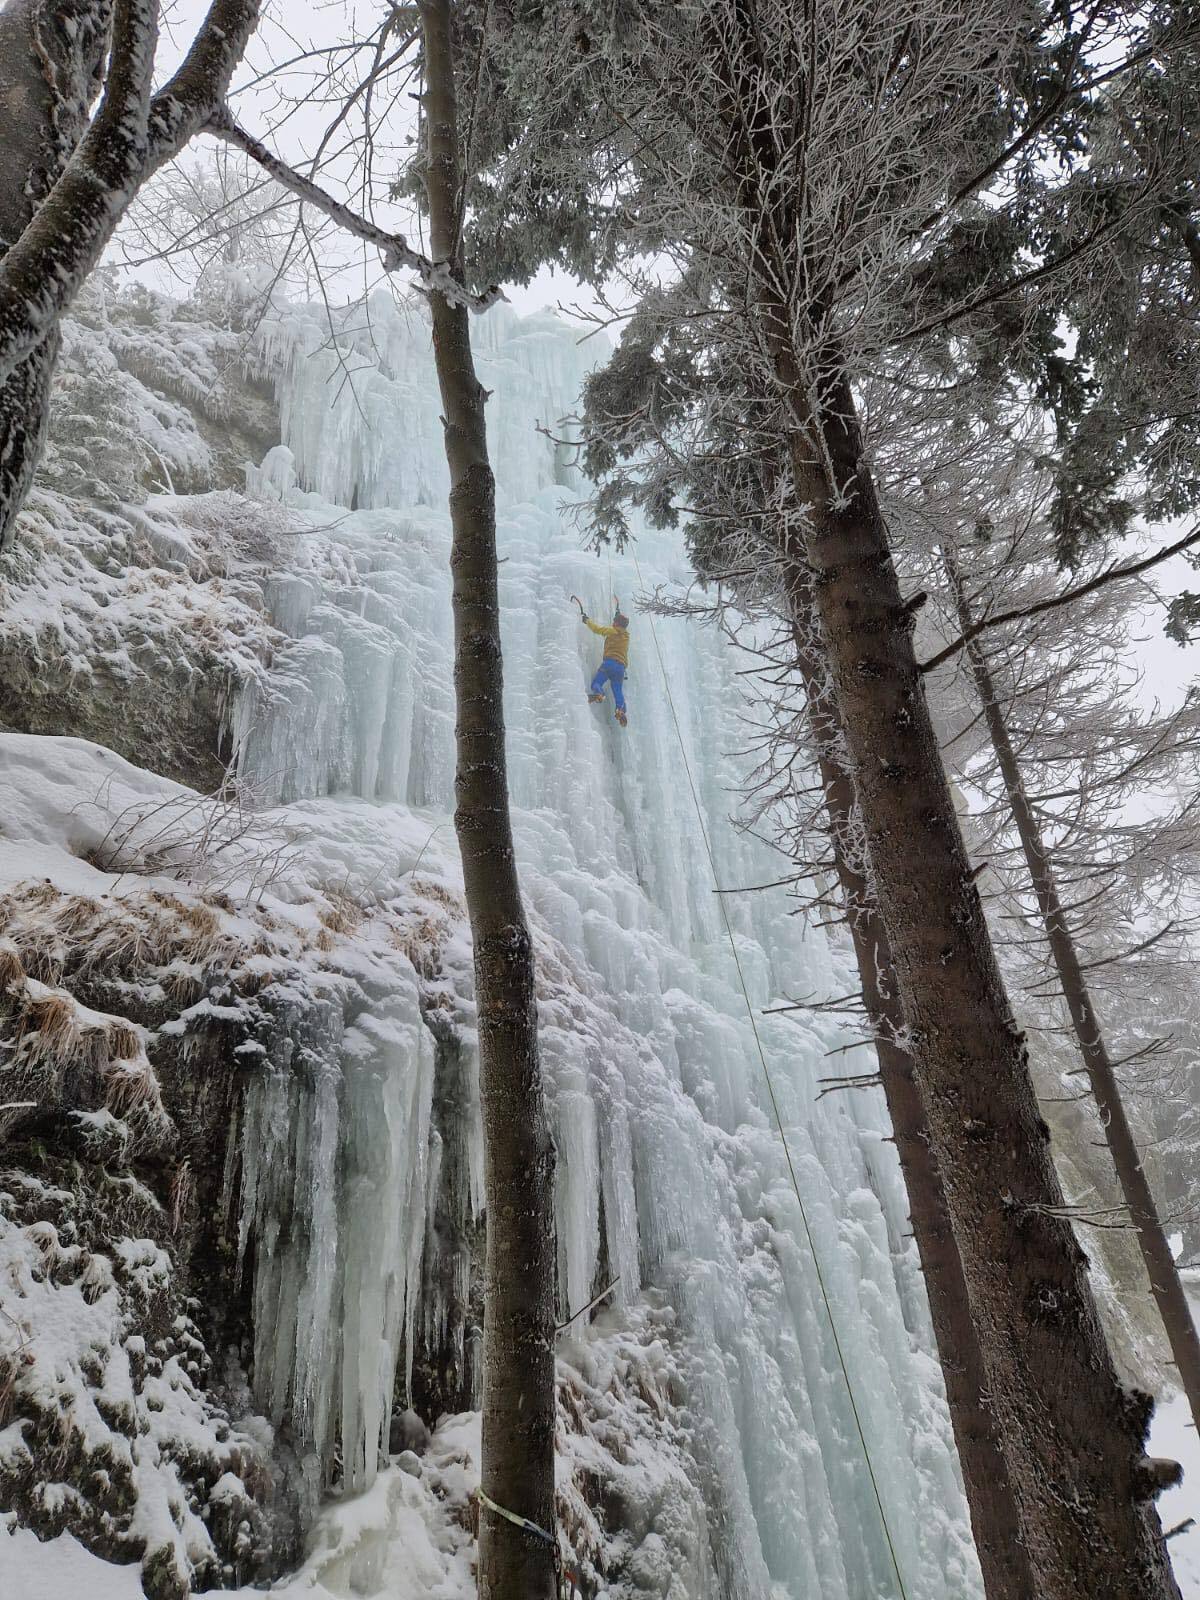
<point>671,1173</point>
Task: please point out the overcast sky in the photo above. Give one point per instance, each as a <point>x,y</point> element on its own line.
<point>271,73</point>
<point>294,129</point>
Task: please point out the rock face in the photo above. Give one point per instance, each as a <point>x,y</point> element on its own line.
<point>163,1040</point>
<point>113,1239</point>
<point>240,1015</point>
<point>129,615</point>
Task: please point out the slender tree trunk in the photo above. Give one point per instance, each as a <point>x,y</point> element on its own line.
<point>66,181</point>
<point>50,60</point>
<point>1002,1556</point>
<point>1072,1436</point>
<point>518,1354</point>
<point>1165,1284</point>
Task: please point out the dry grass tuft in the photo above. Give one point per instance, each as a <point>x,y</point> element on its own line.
<point>41,894</point>
<point>181,983</point>
<point>124,1041</point>
<point>76,915</point>
<point>342,913</point>
<point>12,968</point>
<point>49,1028</point>
<point>202,919</point>
<point>44,963</point>
<point>44,1237</point>
<point>132,1088</point>
<point>421,938</point>
<point>96,1278</point>
<point>429,889</point>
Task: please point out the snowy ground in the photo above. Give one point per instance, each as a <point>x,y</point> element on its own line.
<point>410,1536</point>
<point>1174,1437</point>
<point>407,1538</point>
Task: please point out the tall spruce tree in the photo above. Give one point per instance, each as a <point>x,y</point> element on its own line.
<point>815,179</point>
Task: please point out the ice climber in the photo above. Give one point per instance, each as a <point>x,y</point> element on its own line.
<point>614,661</point>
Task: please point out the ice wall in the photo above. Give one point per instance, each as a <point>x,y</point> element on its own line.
<point>670,1172</point>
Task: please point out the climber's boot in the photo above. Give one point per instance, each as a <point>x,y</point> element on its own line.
<point>595,699</point>
<point>622,718</point>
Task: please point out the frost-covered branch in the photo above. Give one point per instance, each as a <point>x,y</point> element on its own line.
<point>128,139</point>
<point>1110,574</point>
<point>75,179</point>
<point>397,253</point>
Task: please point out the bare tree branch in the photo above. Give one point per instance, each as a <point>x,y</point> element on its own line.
<point>394,247</point>
<point>128,139</point>
<point>1110,574</point>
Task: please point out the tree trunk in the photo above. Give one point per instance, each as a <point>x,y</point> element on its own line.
<point>518,1352</point>
<point>1002,1556</point>
<point>50,60</point>
<point>1165,1284</point>
<point>81,174</point>
<point>1071,1434</point>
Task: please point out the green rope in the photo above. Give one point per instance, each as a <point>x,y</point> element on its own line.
<point>762,1056</point>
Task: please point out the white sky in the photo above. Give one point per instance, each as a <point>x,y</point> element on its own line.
<point>289,28</point>
<point>294,130</point>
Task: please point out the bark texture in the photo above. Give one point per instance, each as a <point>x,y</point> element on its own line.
<point>518,1350</point>
<point>1165,1284</point>
<point>994,1521</point>
<point>1072,1435</point>
<point>50,61</point>
<point>82,173</point>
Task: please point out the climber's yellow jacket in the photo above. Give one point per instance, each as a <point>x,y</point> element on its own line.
<point>616,641</point>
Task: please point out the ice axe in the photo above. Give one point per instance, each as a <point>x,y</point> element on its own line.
<point>579,603</point>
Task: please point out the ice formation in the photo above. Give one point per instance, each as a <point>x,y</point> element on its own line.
<point>671,1174</point>
<point>706,1449</point>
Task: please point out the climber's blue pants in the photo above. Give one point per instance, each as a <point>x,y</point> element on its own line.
<point>611,672</point>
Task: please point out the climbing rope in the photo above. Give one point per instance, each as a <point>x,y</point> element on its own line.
<point>775,1110</point>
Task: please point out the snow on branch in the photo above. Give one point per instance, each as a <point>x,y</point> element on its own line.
<point>435,276</point>
<point>129,138</point>
<point>1110,573</point>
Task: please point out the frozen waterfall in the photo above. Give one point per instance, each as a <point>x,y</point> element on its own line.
<point>671,1174</point>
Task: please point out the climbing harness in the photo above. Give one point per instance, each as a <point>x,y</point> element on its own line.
<point>567,1579</point>
<point>778,1116</point>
